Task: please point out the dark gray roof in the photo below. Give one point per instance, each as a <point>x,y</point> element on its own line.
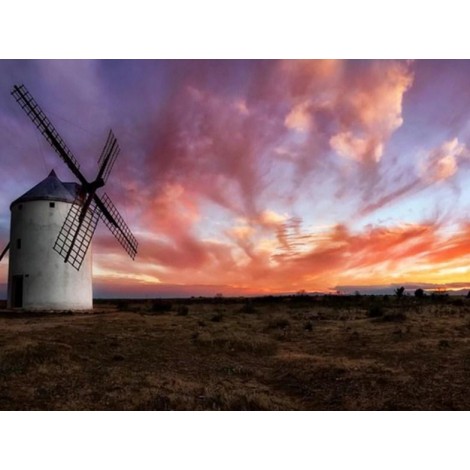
<point>50,189</point>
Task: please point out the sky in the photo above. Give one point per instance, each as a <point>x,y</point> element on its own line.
<point>258,177</point>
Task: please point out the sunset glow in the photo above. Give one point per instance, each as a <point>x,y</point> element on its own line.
<point>259,177</point>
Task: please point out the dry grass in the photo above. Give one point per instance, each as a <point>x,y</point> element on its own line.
<point>276,354</point>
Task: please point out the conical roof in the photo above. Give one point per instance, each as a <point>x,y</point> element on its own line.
<point>50,189</point>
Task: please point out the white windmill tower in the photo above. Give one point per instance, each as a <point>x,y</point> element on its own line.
<point>52,226</point>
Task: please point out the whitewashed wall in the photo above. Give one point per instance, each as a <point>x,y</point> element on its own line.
<point>48,282</point>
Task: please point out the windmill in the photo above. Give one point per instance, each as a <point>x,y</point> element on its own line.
<point>72,241</point>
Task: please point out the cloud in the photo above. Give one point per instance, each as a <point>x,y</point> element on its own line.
<point>210,149</point>
<point>355,106</point>
<point>248,174</point>
<point>395,194</point>
<point>220,145</point>
<point>372,111</point>
<point>210,143</point>
<point>348,145</point>
<point>437,165</point>
<point>441,163</point>
<point>390,289</point>
<point>454,248</point>
<point>299,118</point>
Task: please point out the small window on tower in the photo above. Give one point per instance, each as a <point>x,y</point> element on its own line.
<point>52,204</point>
<point>18,243</point>
<point>20,207</point>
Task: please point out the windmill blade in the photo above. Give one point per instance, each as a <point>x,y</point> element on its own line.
<point>114,221</point>
<point>41,121</point>
<point>76,233</point>
<point>4,251</point>
<point>108,157</point>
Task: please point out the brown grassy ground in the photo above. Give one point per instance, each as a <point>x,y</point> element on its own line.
<point>271,354</point>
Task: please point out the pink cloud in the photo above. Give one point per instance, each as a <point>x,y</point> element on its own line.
<point>441,163</point>
<point>363,104</point>
<point>213,147</point>
<point>268,144</point>
<point>357,148</point>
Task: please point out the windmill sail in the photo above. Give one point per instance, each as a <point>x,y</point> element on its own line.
<point>108,156</point>
<point>79,226</point>
<point>41,121</point>
<point>75,236</point>
<point>117,226</point>
<point>4,251</point>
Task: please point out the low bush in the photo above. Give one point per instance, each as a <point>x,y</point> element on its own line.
<point>182,310</point>
<point>160,306</point>
<point>279,323</point>
<point>248,307</point>
<point>217,317</point>
<point>122,305</point>
<point>308,326</point>
<point>444,343</point>
<point>419,293</point>
<point>394,317</point>
<point>375,311</point>
<point>232,342</point>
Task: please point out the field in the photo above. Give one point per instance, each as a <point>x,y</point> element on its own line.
<point>288,353</point>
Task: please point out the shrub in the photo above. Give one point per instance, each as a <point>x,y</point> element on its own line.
<point>160,306</point>
<point>232,342</point>
<point>439,297</point>
<point>280,323</point>
<point>399,292</point>
<point>248,307</point>
<point>122,305</point>
<point>419,293</point>
<point>217,317</point>
<point>308,326</point>
<point>394,317</point>
<point>182,310</point>
<point>375,311</point>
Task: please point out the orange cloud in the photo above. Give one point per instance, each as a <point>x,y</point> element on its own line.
<point>224,158</point>
<point>213,147</point>
<point>299,118</point>
<point>357,148</point>
<point>441,163</point>
<point>288,258</point>
<point>218,148</point>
